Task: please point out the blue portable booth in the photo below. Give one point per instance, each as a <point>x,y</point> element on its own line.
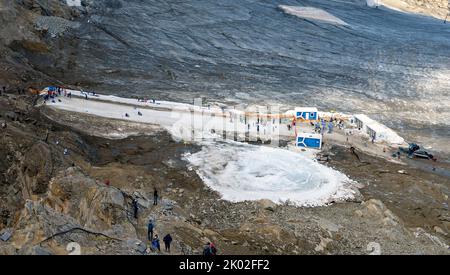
<point>308,140</point>
<point>307,113</point>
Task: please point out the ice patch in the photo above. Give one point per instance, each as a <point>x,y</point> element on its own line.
<point>74,3</point>
<point>312,13</point>
<point>241,172</point>
<point>372,3</point>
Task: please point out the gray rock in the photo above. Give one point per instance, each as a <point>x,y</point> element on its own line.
<point>55,25</point>
<point>38,250</point>
<point>11,116</point>
<point>141,248</point>
<point>267,205</point>
<point>5,235</point>
<point>143,202</point>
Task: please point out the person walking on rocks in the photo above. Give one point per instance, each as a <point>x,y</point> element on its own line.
<point>207,250</point>
<point>150,228</point>
<point>155,197</point>
<point>210,249</point>
<point>167,240</point>
<point>155,243</point>
<point>135,208</point>
<point>213,249</point>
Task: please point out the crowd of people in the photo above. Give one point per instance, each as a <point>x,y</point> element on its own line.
<point>54,92</point>
<point>153,238</point>
<point>145,100</point>
<point>321,126</point>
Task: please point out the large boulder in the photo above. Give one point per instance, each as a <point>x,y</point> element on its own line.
<point>41,230</point>
<point>267,204</point>
<point>375,209</point>
<point>92,204</point>
<point>11,116</point>
<point>36,169</point>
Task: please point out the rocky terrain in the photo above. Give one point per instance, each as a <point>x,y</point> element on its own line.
<point>49,199</point>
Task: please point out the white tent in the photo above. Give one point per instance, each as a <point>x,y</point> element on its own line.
<point>376,130</point>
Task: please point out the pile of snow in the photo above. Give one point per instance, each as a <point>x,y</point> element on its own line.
<point>312,13</point>
<point>241,172</point>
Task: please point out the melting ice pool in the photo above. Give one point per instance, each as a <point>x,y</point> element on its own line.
<point>242,172</point>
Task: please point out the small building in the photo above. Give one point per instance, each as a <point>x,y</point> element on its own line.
<point>307,113</point>
<point>375,130</point>
<point>309,140</point>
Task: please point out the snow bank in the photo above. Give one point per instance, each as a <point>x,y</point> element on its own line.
<point>312,13</point>
<point>242,172</point>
